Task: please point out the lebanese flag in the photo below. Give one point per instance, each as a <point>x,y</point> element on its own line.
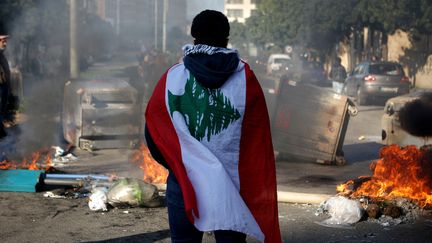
<point>222,158</point>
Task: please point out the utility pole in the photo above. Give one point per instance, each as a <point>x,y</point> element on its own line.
<point>74,64</point>
<point>164,26</point>
<point>117,25</point>
<point>155,24</point>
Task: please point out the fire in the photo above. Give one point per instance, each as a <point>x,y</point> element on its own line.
<point>153,172</point>
<point>36,161</point>
<point>401,172</point>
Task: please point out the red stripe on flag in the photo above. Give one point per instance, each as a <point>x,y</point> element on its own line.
<point>162,131</point>
<point>257,163</point>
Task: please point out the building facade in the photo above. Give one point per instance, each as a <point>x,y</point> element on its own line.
<point>240,10</point>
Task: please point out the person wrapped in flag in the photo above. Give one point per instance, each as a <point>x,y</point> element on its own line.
<point>207,122</point>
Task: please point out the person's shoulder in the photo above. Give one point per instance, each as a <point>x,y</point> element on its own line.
<point>177,66</point>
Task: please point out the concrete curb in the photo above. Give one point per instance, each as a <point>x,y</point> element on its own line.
<point>298,197</point>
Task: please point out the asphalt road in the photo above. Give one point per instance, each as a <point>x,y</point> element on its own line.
<point>31,217</point>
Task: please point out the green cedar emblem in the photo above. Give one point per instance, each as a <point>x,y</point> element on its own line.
<point>205,110</point>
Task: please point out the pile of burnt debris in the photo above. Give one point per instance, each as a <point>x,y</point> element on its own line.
<point>394,212</point>
<point>346,212</point>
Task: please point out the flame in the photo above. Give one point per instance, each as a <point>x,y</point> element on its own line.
<point>36,161</point>
<point>400,172</point>
<point>153,172</point>
<point>345,188</point>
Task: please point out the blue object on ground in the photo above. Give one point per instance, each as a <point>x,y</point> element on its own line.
<point>20,180</point>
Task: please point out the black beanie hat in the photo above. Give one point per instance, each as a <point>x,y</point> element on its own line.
<point>210,27</point>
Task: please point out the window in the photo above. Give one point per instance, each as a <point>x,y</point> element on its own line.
<point>357,70</point>
<point>386,69</point>
<point>235,13</point>
<point>234,1</point>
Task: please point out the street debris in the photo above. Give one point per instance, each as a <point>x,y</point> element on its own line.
<point>98,199</point>
<point>343,212</point>
<point>87,181</point>
<point>67,193</point>
<point>134,193</point>
<point>61,157</point>
<point>51,194</point>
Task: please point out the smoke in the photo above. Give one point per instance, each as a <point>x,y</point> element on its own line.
<point>39,49</point>
<point>416,116</point>
<point>196,6</point>
<point>37,52</point>
<point>41,125</point>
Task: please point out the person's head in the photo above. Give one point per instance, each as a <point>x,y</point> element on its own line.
<point>338,60</point>
<point>3,42</point>
<point>211,28</point>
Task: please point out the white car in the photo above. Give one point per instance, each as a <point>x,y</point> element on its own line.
<point>276,62</point>
<point>392,133</point>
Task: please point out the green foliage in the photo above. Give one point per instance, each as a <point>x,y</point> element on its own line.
<point>315,23</point>
<point>206,111</point>
<point>320,24</point>
<point>238,36</point>
<point>10,10</point>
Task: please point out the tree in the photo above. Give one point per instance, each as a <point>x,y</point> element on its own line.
<point>238,36</point>
<point>317,24</point>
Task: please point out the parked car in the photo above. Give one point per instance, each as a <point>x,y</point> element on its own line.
<point>392,133</point>
<point>306,72</point>
<point>277,63</point>
<point>313,72</point>
<point>371,80</point>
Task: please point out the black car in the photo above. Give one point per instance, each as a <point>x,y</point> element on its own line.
<point>306,72</point>
<point>370,80</point>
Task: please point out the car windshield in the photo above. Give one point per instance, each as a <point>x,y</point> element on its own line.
<point>385,69</point>
<point>282,60</point>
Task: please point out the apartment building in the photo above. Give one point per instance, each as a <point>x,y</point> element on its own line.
<point>240,10</point>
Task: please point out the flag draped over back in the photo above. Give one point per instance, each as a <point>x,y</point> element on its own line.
<point>217,142</point>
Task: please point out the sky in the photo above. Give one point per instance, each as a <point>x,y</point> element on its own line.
<point>196,6</point>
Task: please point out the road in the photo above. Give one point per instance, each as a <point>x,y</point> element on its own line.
<point>31,217</point>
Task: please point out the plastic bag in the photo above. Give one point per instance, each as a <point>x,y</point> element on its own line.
<point>133,192</point>
<point>343,212</point>
<point>98,199</point>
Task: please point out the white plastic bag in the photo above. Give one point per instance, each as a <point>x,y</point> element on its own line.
<point>133,192</point>
<point>343,211</point>
<point>98,199</point>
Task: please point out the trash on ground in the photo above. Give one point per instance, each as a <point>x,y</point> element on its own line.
<point>343,211</point>
<point>134,193</point>
<point>62,157</point>
<point>98,199</point>
<point>87,181</point>
<point>51,194</point>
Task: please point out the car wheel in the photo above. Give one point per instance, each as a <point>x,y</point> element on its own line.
<point>361,98</point>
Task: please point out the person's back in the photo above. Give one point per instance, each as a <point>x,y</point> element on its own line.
<point>203,122</point>
<point>337,76</point>
<point>338,72</point>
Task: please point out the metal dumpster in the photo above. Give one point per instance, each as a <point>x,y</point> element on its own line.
<point>310,122</point>
<point>101,114</point>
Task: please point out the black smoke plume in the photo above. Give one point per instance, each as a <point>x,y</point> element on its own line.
<point>416,116</point>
